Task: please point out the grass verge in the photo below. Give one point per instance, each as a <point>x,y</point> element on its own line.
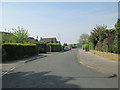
<point>111,56</point>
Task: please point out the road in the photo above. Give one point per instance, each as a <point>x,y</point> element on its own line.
<point>60,70</point>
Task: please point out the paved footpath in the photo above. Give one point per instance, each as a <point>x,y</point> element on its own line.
<point>98,63</point>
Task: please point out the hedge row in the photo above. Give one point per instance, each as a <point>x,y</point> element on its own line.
<point>17,50</point>
<point>54,47</point>
<point>85,47</point>
<point>41,47</point>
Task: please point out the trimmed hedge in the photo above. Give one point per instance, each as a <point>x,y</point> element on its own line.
<point>55,47</point>
<point>41,47</point>
<point>17,50</point>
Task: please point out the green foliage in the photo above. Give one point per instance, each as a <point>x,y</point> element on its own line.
<point>105,46</point>
<point>85,47</point>
<point>41,47</point>
<point>54,47</point>
<point>98,33</point>
<point>19,44</point>
<point>73,45</point>
<point>116,44</point>
<point>20,35</point>
<point>96,48</point>
<point>83,39</point>
<point>79,45</point>
<point>17,50</point>
<point>91,46</point>
<point>53,44</point>
<point>7,37</point>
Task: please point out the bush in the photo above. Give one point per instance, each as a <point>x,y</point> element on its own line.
<point>55,47</point>
<point>96,48</point>
<point>41,47</point>
<point>105,46</point>
<point>17,50</point>
<point>116,48</point>
<point>85,47</point>
<point>116,44</point>
<point>91,46</point>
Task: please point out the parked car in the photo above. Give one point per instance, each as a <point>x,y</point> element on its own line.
<point>69,47</point>
<point>65,49</point>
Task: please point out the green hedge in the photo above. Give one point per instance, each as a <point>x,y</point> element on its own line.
<point>55,47</point>
<point>85,47</point>
<point>41,47</point>
<point>17,50</point>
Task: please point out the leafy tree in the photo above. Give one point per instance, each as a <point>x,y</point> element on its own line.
<point>110,35</point>
<point>83,38</point>
<point>98,34</point>
<point>20,35</point>
<point>105,46</point>
<point>116,45</point>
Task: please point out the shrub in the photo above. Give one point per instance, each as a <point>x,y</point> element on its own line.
<point>116,48</point>
<point>105,46</point>
<point>91,46</point>
<point>116,44</point>
<point>41,47</point>
<point>17,50</point>
<point>86,47</point>
<point>96,48</point>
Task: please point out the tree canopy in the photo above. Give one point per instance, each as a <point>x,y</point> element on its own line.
<point>19,35</point>
<point>83,38</point>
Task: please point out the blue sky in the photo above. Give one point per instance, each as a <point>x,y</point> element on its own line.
<point>69,19</point>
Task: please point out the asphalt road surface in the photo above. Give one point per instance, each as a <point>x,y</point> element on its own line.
<point>60,70</point>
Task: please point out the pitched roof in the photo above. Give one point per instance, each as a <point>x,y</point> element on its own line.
<point>53,40</point>
<point>4,32</point>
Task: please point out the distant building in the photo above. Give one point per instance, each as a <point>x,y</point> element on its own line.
<point>5,33</point>
<point>32,40</point>
<point>49,40</point>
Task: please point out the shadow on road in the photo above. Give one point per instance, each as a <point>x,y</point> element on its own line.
<point>23,59</point>
<point>35,80</point>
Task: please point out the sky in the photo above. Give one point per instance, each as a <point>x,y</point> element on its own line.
<point>64,20</point>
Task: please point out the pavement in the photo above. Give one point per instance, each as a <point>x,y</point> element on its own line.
<point>98,63</point>
<point>9,66</point>
<point>60,70</point>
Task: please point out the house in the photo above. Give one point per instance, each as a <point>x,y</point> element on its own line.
<point>32,40</point>
<point>6,36</point>
<point>49,40</point>
<point>5,33</point>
